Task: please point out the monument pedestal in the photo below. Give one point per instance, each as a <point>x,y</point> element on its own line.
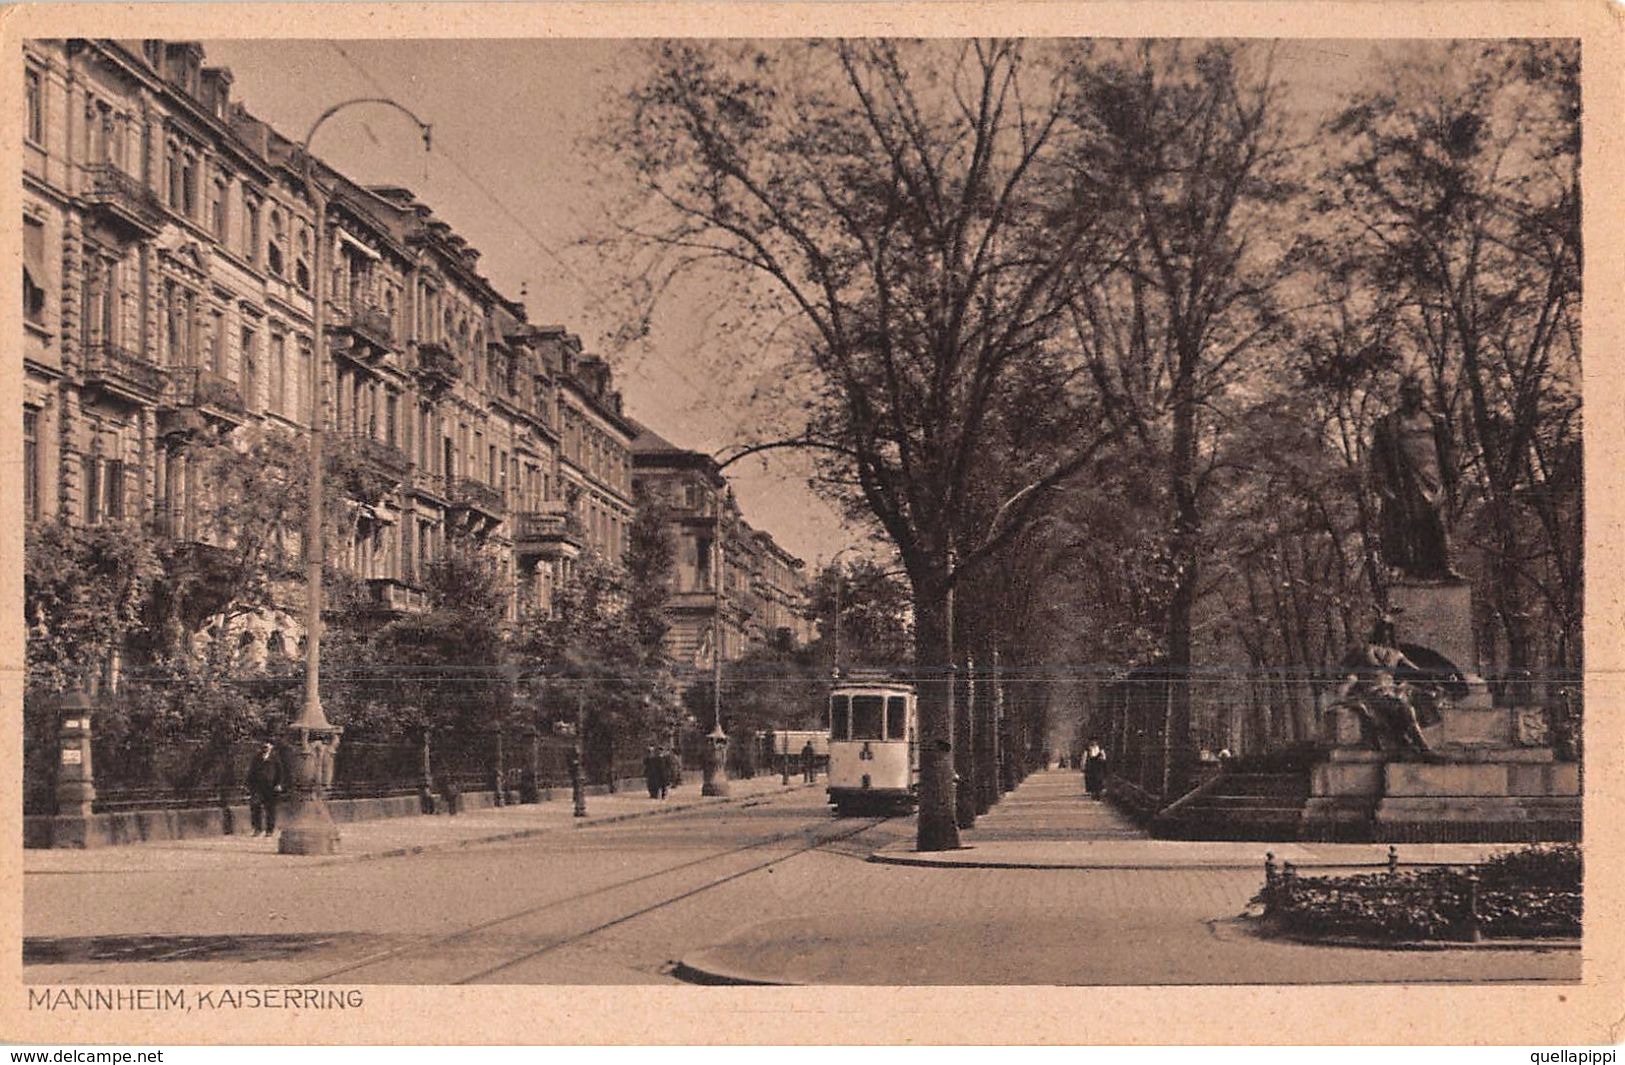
<point>1491,774</point>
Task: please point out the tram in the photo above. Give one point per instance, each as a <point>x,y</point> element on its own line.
<point>874,749</point>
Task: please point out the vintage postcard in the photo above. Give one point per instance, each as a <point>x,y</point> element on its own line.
<point>649,523</point>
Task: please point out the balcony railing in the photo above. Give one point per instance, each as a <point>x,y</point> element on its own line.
<point>383,457</point>
<point>546,529</point>
<point>369,323</point>
<point>197,387</point>
<point>437,365</point>
<point>128,373</point>
<point>394,596</point>
<point>123,201</point>
<point>468,494</point>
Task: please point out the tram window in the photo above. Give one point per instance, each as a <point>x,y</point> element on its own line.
<point>839,711</point>
<point>866,717</point>
<point>897,718</point>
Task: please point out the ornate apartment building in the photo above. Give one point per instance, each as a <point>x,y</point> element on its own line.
<point>170,253</point>
<point>169,289</point>
<point>724,568</point>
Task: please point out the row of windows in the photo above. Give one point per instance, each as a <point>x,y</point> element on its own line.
<point>207,199</point>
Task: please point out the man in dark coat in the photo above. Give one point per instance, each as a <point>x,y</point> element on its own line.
<point>266,779</point>
<point>809,763</point>
<point>654,773</point>
<point>672,774</point>
<point>1094,770</point>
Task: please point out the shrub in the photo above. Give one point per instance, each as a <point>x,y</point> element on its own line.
<point>1533,892</point>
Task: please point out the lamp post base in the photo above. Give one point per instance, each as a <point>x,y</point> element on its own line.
<point>309,827</point>
<point>313,833</point>
<point>715,770</point>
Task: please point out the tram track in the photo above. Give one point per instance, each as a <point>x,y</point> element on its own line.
<point>423,949</point>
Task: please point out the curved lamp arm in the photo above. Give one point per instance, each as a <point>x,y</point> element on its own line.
<point>423,127</point>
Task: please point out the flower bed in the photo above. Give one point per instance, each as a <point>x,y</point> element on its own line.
<point>1529,893</point>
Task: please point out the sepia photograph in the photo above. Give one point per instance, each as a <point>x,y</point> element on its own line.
<point>798,508</point>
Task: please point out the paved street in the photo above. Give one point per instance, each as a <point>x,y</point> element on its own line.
<point>767,888</point>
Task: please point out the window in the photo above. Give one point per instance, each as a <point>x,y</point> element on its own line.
<point>31,487</point>
<point>251,230</point>
<point>391,417</point>
<point>840,712</point>
<point>91,487</point>
<point>34,270</point>
<point>279,373</point>
<point>250,374</point>
<point>866,723</point>
<point>304,387</point>
<point>113,488</point>
<point>217,344</point>
<point>301,265</point>
<point>34,90</point>
<point>172,174</point>
<point>103,489</point>
<point>217,209</point>
<point>273,250</point>
<point>897,718</point>
<point>189,184</point>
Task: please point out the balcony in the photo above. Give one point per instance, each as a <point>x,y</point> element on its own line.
<point>393,596</point>
<point>550,532</point>
<point>371,468</point>
<point>195,394</point>
<point>369,329</point>
<point>123,373</point>
<point>478,501</point>
<point>437,366</point>
<point>123,203</point>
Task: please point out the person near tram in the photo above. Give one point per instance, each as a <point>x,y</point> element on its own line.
<point>809,763</point>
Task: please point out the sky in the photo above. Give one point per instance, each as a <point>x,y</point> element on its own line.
<point>509,171</point>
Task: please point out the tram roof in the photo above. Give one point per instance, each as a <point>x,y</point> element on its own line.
<point>862,684</point>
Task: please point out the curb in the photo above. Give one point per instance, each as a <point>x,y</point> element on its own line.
<point>525,833</point>
<point>914,860</point>
<point>503,837</point>
<point>717,976</point>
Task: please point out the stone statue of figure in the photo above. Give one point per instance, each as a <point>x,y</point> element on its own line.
<point>1409,450</point>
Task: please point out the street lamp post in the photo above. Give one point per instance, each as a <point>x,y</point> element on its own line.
<point>715,766</point>
<point>309,828</point>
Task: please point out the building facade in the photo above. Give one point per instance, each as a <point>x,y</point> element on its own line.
<point>172,243</point>
<point>729,578</point>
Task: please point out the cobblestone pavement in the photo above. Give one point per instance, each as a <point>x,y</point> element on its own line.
<point>773,890</point>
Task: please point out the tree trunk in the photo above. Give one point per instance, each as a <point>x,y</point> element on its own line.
<point>938,825</point>
<point>1187,527</point>
<point>965,737</point>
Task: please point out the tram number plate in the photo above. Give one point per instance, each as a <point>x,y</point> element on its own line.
<point>866,754</point>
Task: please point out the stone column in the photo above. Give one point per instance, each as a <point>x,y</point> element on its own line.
<point>75,779</point>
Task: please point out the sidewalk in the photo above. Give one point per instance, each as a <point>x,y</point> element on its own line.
<point>1051,888</point>
<point>1049,823</point>
<point>394,837</point>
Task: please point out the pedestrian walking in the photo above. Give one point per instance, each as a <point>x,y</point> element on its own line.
<point>654,773</point>
<point>809,763</point>
<point>1094,770</point>
<point>672,774</point>
<point>266,779</point>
